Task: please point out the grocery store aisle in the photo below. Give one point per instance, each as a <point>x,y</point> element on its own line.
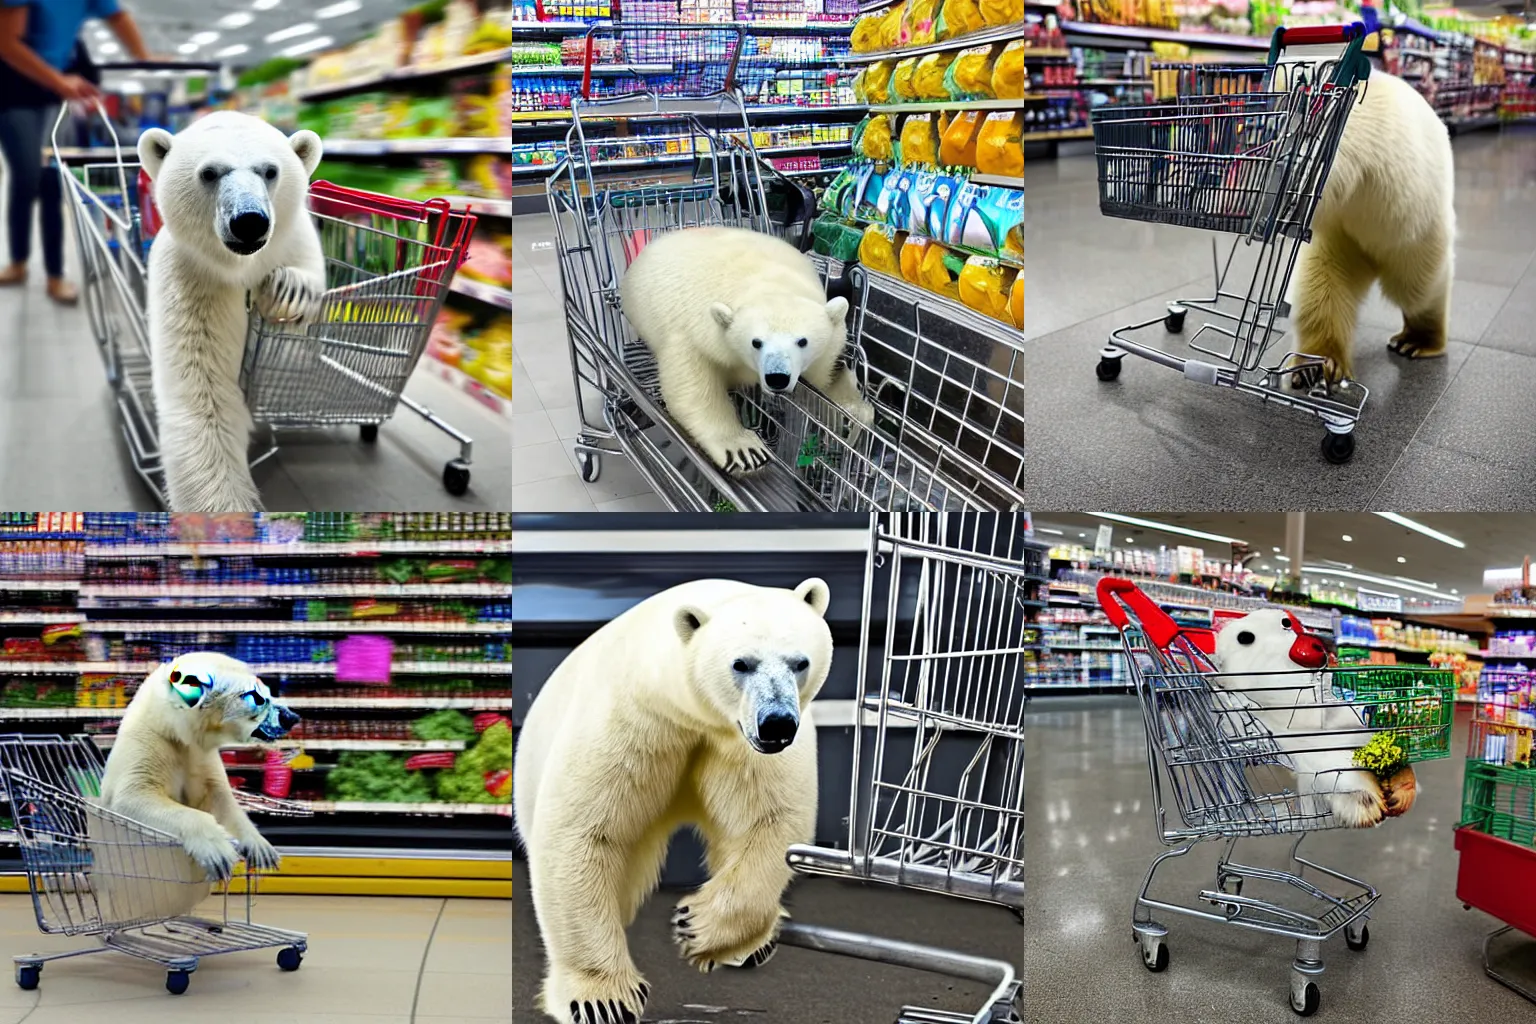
<point>1091,837</point>
<point>371,960</point>
<point>61,445</point>
<point>1438,434</point>
<point>544,418</point>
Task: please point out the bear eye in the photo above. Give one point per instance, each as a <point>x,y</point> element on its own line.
<point>803,342</point>
<point>270,174</point>
<point>800,665</point>
<point>757,342</point>
<point>209,175</point>
<point>742,665</point>
<point>1245,638</point>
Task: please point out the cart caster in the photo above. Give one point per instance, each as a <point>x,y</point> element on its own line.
<point>1232,885</point>
<point>176,982</point>
<point>1357,941</point>
<point>1174,321</point>
<point>1338,448</point>
<point>456,477</point>
<point>1154,951</point>
<point>27,976</point>
<point>289,958</point>
<point>1309,1000</point>
<point>1108,368</point>
<point>591,466</point>
<point>369,432</point>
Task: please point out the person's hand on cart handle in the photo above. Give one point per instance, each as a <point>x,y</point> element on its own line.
<point>77,90</point>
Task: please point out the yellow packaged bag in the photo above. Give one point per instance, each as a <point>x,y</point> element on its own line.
<point>890,27</point>
<point>880,248</point>
<point>901,81</point>
<point>875,140</point>
<point>983,285</point>
<point>940,270</point>
<point>1000,144</point>
<point>919,140</point>
<point>877,81</point>
<point>866,32</point>
<point>1008,72</point>
<point>919,23</point>
<point>962,16</point>
<point>1016,302</point>
<point>970,76</point>
<point>957,143</point>
<point>928,78</point>
<point>911,257</point>
<point>1002,12</point>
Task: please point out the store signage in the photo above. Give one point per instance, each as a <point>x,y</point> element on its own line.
<point>1105,541</point>
<point>1376,601</point>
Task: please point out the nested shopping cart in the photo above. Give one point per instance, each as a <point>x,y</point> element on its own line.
<point>937,794</point>
<point>94,872</point>
<point>1221,772</point>
<point>947,389</point>
<point>388,266</point>
<point>1245,151</point>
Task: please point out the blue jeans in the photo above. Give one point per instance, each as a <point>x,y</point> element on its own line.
<point>22,131</point>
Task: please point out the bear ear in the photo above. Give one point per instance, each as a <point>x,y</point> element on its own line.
<point>308,146</point>
<point>814,593</point>
<point>154,147</point>
<point>687,621</point>
<point>722,313</point>
<point>837,308</point>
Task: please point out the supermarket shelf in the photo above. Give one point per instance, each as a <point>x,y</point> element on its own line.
<point>294,590</point>
<point>276,668</point>
<point>36,584</point>
<point>106,741</point>
<point>1061,136</point>
<point>918,108</point>
<point>1491,656</point>
<point>481,392</point>
<point>385,147</point>
<point>999,34</point>
<point>761,109</point>
<point>752,27</point>
<point>673,159</point>
<point>286,626</point>
<point>597,69</point>
<point>998,179</point>
<point>498,297</point>
<point>488,207</point>
<point>1194,40</point>
<point>352,547</point>
<point>953,311</point>
<point>389,703</point>
<point>478,60</point>
<point>40,619</point>
<point>371,807</point>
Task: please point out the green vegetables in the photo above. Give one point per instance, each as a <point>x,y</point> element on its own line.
<point>444,725</point>
<point>376,776</point>
<point>482,774</point>
<point>1382,755</point>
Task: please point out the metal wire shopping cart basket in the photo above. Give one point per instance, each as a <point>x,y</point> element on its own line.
<point>388,262</point>
<point>94,872</point>
<point>937,798</point>
<point>1224,767</point>
<point>1243,150</point>
<point>948,394</point>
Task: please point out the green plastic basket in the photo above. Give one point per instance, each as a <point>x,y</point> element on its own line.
<point>1415,705</point>
<point>1501,801</point>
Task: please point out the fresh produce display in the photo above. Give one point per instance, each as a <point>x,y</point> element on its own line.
<point>376,776</point>
<point>444,725</point>
<point>482,774</point>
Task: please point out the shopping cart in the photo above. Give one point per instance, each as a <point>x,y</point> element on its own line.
<point>948,392</point>
<point>95,872</point>
<point>388,261</point>
<point>938,804</point>
<point>1228,776</point>
<point>1241,150</point>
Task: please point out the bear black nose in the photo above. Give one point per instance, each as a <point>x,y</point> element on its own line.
<point>776,731</point>
<point>776,381</point>
<point>249,227</point>
<point>286,718</point>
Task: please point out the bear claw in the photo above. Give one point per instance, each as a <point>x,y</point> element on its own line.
<point>1416,345</point>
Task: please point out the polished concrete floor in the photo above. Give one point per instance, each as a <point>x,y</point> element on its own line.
<point>1091,836</point>
<point>1451,433</point>
<point>798,986</point>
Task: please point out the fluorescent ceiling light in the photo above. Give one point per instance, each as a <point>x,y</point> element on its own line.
<point>109,48</point>
<point>233,51</point>
<point>317,43</point>
<point>1282,558</point>
<point>292,31</point>
<point>204,38</point>
<point>239,19</point>
<point>1401,559</point>
<point>265,5</point>
<point>1276,550</point>
<point>1131,541</point>
<point>1047,529</point>
<point>1165,527</point>
<point>337,10</point>
<point>187,48</point>
<point>1401,520</point>
<point>1347,537</point>
<point>1425,589</point>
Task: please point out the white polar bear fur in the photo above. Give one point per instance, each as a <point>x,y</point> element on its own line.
<point>198,286</point>
<point>644,729</point>
<point>700,297</point>
<point>164,772</point>
<point>1295,707</point>
<point>1387,214</point>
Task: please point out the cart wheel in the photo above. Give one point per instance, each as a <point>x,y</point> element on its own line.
<point>1155,960</point>
<point>1338,448</point>
<point>27,976</point>
<point>289,958</point>
<point>369,432</point>
<point>591,466</point>
<point>456,477</point>
<point>1174,321</point>
<point>1357,944</point>
<point>1108,368</point>
<point>176,982</point>
<point>1311,999</point>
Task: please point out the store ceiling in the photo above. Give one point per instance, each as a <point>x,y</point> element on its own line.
<point>1494,540</point>
<point>169,24</point>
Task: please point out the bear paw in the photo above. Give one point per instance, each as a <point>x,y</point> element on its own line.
<point>1358,808</point>
<point>259,853</point>
<point>590,998</point>
<point>214,853</point>
<point>706,947</point>
<point>1311,377</point>
<point>862,413</point>
<point>1417,344</point>
<point>287,295</point>
<point>738,453</point>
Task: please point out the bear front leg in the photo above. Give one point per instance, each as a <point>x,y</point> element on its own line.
<point>290,294</point>
<point>840,384</point>
<point>1418,281</point>
<point>1334,277</point>
<point>698,399</point>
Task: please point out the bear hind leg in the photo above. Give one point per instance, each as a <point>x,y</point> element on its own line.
<point>1335,275</point>
<point>1421,288</point>
<point>578,899</point>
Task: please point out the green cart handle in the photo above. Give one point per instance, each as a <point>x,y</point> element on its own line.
<point>1353,65</point>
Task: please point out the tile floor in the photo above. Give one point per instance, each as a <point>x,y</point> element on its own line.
<point>1452,433</point>
<point>371,960</point>
<point>1091,837</point>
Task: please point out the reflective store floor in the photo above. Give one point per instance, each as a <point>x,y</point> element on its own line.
<point>1091,836</point>
<point>1449,433</point>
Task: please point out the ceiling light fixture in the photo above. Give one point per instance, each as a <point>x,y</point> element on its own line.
<point>204,38</point>
<point>265,5</point>
<point>187,48</point>
<point>292,31</point>
<point>1165,527</point>
<point>233,51</point>
<point>337,10</point>
<point>317,43</point>
<point>1347,537</point>
<point>1401,559</point>
<point>1277,551</point>
<point>1401,520</point>
<point>1429,589</point>
<point>1047,529</point>
<point>239,19</point>
<point>1417,583</point>
<point>109,48</point>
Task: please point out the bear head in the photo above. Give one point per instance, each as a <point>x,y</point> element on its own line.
<point>780,339</point>
<point>1268,640</point>
<point>213,701</point>
<point>758,659</point>
<point>229,182</point>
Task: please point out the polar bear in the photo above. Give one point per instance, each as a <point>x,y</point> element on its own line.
<point>688,709</point>
<point>231,191</point>
<point>1386,214</point>
<point>1272,667</point>
<point>726,307</point>
<point>164,771</point>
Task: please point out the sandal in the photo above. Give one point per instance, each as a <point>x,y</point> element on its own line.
<point>16,273</point>
<point>62,292</point>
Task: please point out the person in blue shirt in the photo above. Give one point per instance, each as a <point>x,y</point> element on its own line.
<point>40,67</point>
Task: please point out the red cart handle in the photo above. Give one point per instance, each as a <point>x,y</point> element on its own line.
<point>1308,35</point>
<point>1118,596</point>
